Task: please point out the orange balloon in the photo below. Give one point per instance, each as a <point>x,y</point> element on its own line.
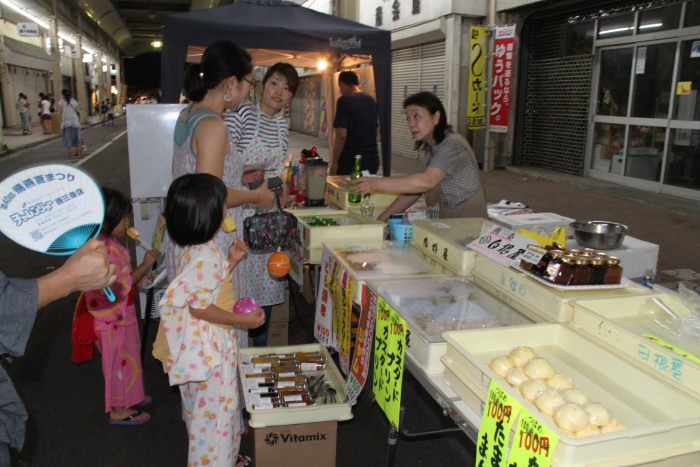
<point>278,264</point>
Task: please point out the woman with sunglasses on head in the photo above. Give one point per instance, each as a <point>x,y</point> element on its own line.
<point>216,85</point>
<point>449,176</point>
<point>261,137</point>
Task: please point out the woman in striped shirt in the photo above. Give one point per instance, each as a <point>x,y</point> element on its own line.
<point>260,135</point>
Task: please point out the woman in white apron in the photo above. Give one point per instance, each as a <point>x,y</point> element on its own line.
<point>449,176</point>
<point>261,136</point>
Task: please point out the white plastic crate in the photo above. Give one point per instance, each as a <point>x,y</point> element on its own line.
<point>637,257</point>
<point>541,222</point>
<point>340,410</point>
<point>537,300</point>
<point>616,323</point>
<point>337,191</point>
<point>350,226</point>
<point>432,304</point>
<point>446,240</point>
<point>658,416</point>
<point>386,261</point>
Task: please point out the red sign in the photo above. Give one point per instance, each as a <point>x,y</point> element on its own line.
<point>503,51</point>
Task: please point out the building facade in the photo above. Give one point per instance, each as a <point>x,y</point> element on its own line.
<point>604,89</point>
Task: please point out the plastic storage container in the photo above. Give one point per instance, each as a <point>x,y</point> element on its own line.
<point>349,225</point>
<point>637,257</point>
<point>340,410</point>
<point>390,260</point>
<point>337,189</point>
<point>540,222</point>
<point>433,304</point>
<point>536,299</point>
<point>659,416</point>
<point>446,240</point>
<point>616,322</point>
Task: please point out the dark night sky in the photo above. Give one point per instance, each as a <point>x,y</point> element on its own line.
<point>142,72</point>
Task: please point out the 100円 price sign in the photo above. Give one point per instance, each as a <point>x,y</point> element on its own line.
<point>532,445</point>
<point>389,346</point>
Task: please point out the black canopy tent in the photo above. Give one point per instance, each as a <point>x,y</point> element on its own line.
<point>278,24</point>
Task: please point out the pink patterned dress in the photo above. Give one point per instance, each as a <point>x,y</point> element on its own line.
<point>117,333</point>
<point>203,356</point>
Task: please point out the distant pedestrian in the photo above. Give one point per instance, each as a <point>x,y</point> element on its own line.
<point>23,105</point>
<point>110,114</point>
<point>45,113</point>
<point>70,123</point>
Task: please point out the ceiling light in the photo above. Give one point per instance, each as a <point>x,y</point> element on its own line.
<point>322,65</point>
<point>157,44</point>
<point>24,13</point>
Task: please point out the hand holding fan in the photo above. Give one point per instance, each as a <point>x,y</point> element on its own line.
<point>52,209</point>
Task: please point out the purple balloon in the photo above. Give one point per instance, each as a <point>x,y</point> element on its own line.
<point>245,305</point>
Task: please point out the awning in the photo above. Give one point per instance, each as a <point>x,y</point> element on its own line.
<point>26,55</point>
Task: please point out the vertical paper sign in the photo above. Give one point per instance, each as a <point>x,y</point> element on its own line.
<point>476,94</point>
<point>389,345</point>
<point>502,76</point>
<point>363,345</point>
<point>533,443</point>
<point>340,285</point>
<point>323,324</point>
<point>500,413</point>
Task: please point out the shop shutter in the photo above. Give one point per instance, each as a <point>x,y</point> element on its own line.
<point>420,68</point>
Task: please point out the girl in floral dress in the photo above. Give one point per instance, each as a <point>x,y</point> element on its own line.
<point>197,321</point>
<point>115,322</point>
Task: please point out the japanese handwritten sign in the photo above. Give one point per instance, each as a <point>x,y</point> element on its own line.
<point>389,346</point>
<point>476,87</point>
<point>533,444</point>
<point>363,345</point>
<point>323,324</point>
<point>500,412</point>
<point>500,244</point>
<point>502,78</point>
<point>340,285</point>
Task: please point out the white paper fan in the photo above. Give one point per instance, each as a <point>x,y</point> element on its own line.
<point>51,209</point>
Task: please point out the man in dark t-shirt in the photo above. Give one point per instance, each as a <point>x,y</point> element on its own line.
<point>355,127</point>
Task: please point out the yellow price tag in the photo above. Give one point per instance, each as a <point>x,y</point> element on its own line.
<point>389,345</point>
<point>500,412</point>
<point>533,443</point>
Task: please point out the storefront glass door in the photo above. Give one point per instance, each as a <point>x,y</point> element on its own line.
<point>646,126</point>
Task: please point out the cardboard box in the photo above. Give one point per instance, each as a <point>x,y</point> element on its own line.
<point>301,445</point>
<point>278,333</point>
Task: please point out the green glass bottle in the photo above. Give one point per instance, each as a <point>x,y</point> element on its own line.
<point>354,175</point>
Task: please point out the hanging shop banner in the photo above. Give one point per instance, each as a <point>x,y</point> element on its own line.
<point>533,443</point>
<point>323,323</point>
<point>363,345</point>
<point>476,94</point>
<point>389,345</point>
<point>340,285</point>
<point>500,412</point>
<point>502,76</point>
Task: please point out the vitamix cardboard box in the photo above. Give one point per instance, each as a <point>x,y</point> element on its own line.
<point>302,445</point>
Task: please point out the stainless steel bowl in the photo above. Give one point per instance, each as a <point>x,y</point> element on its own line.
<point>600,235</point>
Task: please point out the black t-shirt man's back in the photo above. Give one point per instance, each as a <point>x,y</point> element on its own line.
<point>357,113</point>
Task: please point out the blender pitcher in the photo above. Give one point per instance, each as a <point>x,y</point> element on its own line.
<point>315,170</point>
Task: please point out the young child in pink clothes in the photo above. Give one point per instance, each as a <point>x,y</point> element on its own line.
<point>197,321</point>
<point>115,322</point>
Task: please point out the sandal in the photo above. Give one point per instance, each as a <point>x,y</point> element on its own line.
<point>145,402</point>
<point>243,461</point>
<point>130,420</point>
